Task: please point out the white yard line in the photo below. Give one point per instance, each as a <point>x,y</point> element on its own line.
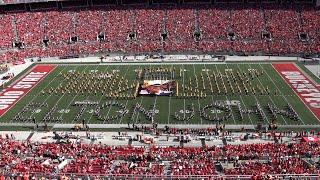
<point>78,94</point>
<point>107,67</point>
<point>184,100</point>
<point>199,107</point>
<point>115,99</point>
<point>256,98</point>
<point>67,107</point>
<point>244,104</point>
<point>37,95</point>
<point>155,103</point>
<point>126,103</point>
<point>138,113</point>
<point>246,109</point>
<point>234,120</point>
<point>154,107</point>
<point>269,96</point>
<point>104,122</point>
<point>212,100</point>
<point>46,87</point>
<point>284,97</point>
<point>169,110</point>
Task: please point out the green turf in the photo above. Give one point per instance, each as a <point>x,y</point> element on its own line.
<point>167,106</point>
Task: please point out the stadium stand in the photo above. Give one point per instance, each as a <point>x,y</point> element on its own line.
<point>176,27</point>
<point>269,29</point>
<point>257,160</point>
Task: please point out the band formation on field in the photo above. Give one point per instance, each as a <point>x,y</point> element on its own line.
<point>248,94</point>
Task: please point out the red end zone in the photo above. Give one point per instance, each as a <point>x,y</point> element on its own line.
<point>11,95</point>
<point>308,92</point>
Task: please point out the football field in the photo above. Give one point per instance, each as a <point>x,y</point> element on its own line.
<point>231,93</point>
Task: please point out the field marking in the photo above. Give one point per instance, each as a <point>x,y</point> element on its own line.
<point>77,94</point>
<point>228,99</point>
<point>255,97</point>
<point>212,100</point>
<point>126,105</point>
<point>127,99</point>
<point>169,98</point>
<point>29,90</point>
<point>269,97</point>
<point>68,106</point>
<point>138,113</point>
<point>308,76</point>
<point>284,97</point>
<point>98,101</point>
<point>110,107</point>
<point>37,95</point>
<point>295,91</point>
<point>154,106</point>
<point>128,63</point>
<point>194,72</point>
<point>104,122</point>
<point>244,104</point>
<point>184,99</point>
<point>169,110</point>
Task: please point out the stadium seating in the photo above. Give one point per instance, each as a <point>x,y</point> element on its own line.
<point>30,28</point>
<point>232,29</point>
<point>249,159</point>
<point>214,23</point>
<point>60,26</point>
<point>247,23</point>
<point>6,31</point>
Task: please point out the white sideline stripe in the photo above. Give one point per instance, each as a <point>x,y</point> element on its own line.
<point>296,93</point>
<point>169,110</point>
<point>99,99</point>
<point>126,105</point>
<point>244,104</point>
<point>73,97</point>
<point>278,88</point>
<point>37,95</point>
<point>109,106</point>
<point>269,96</point>
<point>27,92</point>
<point>234,120</point>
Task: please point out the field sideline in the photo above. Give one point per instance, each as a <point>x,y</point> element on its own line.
<point>232,94</point>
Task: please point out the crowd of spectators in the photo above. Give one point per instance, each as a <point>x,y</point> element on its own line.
<point>24,157</point>
<point>30,27</point>
<point>214,23</point>
<point>247,23</point>
<point>283,24</point>
<point>168,29</point>
<point>6,31</point>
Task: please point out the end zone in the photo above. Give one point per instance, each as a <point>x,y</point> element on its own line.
<point>12,94</point>
<point>305,88</point>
